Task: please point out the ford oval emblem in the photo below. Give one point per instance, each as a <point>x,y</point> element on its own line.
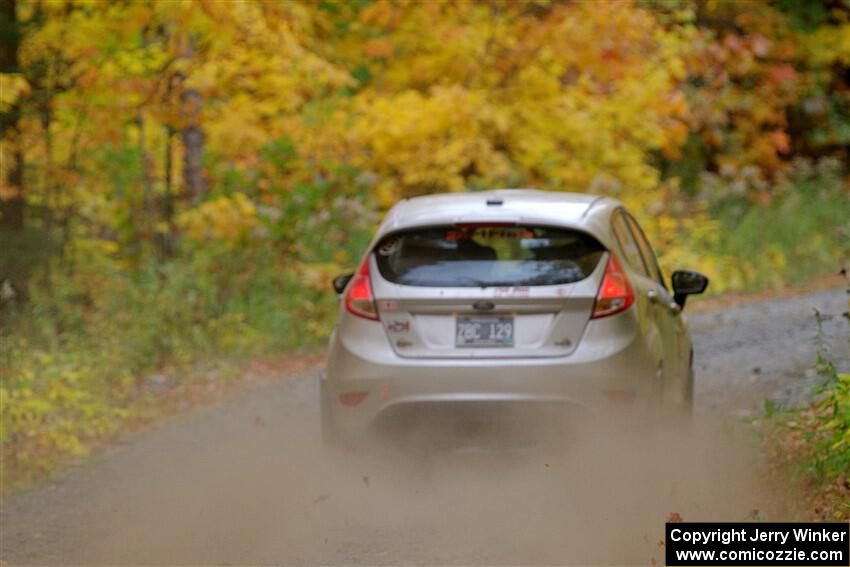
<point>483,305</point>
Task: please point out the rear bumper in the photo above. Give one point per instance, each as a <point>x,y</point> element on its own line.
<point>611,370</point>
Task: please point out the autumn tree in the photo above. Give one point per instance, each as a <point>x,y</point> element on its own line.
<point>12,182</point>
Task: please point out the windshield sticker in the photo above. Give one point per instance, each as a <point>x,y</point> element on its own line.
<point>484,233</point>
<point>519,291</point>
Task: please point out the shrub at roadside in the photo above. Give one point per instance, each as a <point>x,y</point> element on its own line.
<point>796,232</point>
<point>813,442</point>
<point>800,231</point>
<point>91,346</point>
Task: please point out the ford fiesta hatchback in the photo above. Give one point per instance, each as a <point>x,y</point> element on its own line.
<point>506,298</point>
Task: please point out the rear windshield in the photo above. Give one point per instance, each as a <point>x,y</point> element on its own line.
<point>480,256</point>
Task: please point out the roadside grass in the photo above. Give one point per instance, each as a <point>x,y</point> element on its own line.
<point>810,445</point>
<point>802,234</point>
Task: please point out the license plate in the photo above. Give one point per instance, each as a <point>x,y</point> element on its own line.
<point>484,332</point>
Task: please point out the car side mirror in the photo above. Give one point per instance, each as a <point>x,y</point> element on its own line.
<point>685,283</point>
<point>340,282</point>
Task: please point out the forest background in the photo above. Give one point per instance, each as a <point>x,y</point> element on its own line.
<point>182,179</point>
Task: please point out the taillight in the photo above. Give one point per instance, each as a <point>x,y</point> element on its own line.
<point>358,298</point>
<point>615,293</point>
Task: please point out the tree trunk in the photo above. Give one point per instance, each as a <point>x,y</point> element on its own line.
<point>12,202</point>
<point>193,147</point>
<point>148,221</point>
<point>192,135</point>
<point>165,241</point>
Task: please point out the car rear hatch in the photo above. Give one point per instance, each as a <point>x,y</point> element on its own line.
<point>486,290</point>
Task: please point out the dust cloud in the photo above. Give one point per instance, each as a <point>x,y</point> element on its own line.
<point>249,482</point>
<point>587,492</point>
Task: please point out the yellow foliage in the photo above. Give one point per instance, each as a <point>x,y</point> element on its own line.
<point>318,276</point>
<point>228,219</point>
<point>829,45</point>
<point>570,101</point>
<point>419,143</point>
<point>12,87</point>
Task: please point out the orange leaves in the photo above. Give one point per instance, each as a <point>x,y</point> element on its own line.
<point>743,80</point>
<point>780,140</point>
<point>379,47</point>
<point>784,74</point>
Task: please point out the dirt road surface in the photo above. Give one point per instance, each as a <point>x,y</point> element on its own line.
<point>246,482</point>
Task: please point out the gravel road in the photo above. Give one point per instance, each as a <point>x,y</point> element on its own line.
<point>760,350</point>
<point>246,482</point>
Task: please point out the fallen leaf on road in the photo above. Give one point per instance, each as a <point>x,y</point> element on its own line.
<point>674,518</point>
